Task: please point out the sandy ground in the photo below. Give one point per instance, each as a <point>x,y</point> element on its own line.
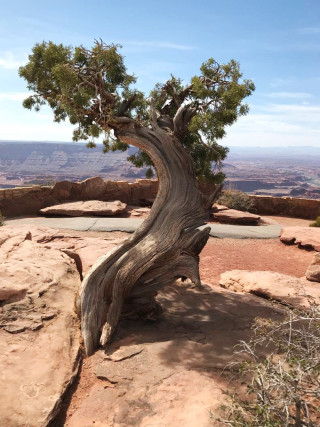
<point>290,222</point>
<point>220,255</point>
<point>91,398</point>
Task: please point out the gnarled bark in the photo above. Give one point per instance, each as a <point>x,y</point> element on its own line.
<point>163,249</point>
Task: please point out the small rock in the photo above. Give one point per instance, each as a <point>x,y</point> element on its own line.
<point>12,290</point>
<point>270,285</point>
<point>125,353</point>
<point>93,188</point>
<point>219,208</point>
<point>313,272</point>
<point>305,237</point>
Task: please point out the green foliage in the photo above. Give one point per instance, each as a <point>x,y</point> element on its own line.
<point>219,92</point>
<point>1,219</point>
<point>91,88</point>
<point>283,388</point>
<point>67,79</point>
<point>236,199</point>
<point>316,223</point>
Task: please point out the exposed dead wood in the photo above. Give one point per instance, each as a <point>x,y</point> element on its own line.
<point>163,249</point>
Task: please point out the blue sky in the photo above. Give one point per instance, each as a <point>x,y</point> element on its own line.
<point>276,42</point>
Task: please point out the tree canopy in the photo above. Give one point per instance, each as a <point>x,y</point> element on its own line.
<point>92,89</point>
<point>177,128</point>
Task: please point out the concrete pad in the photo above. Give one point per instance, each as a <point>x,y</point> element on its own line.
<point>244,231</point>
<point>129,225</point>
<point>76,223</point>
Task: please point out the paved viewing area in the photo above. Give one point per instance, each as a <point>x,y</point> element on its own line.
<point>129,225</point>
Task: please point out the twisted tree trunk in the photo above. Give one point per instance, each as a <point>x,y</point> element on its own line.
<point>164,248</point>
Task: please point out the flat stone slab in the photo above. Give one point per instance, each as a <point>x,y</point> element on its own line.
<point>233,216</point>
<point>129,225</point>
<point>244,231</point>
<point>86,208</point>
<point>75,223</point>
<point>305,237</point>
<point>295,291</point>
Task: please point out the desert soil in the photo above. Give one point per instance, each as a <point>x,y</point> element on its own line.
<point>290,222</point>
<point>169,372</point>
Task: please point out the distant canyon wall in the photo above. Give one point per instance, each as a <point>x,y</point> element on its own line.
<point>29,200</point>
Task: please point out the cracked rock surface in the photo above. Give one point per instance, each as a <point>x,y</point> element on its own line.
<point>154,373</point>
<point>39,331</point>
<point>297,292</point>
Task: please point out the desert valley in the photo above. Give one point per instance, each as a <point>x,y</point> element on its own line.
<point>287,171</point>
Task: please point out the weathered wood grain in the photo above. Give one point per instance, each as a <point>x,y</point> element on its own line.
<point>163,249</point>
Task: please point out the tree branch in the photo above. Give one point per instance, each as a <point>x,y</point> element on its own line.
<point>153,116</point>
<point>182,119</point>
<point>125,105</point>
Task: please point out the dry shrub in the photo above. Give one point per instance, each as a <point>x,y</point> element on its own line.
<point>236,199</point>
<point>316,223</point>
<point>284,387</point>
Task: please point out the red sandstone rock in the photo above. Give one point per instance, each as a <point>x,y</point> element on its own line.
<point>305,237</point>
<point>313,272</point>
<point>268,284</point>
<point>39,335</point>
<point>84,250</point>
<point>232,216</point>
<point>218,208</point>
<point>92,188</point>
<point>65,190</point>
<point>90,207</point>
<point>137,211</point>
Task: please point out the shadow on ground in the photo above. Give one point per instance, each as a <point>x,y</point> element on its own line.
<point>202,326</point>
<point>168,372</point>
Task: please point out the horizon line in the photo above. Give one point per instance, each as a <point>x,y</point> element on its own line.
<point>100,143</point>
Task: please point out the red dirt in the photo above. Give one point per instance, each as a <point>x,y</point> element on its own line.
<point>286,221</point>
<point>220,255</point>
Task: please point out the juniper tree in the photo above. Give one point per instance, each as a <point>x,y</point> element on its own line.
<point>176,130</point>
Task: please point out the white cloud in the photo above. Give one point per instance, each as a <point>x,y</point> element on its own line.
<point>296,113</point>
<point>288,95</point>
<point>277,124</point>
<point>8,61</point>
